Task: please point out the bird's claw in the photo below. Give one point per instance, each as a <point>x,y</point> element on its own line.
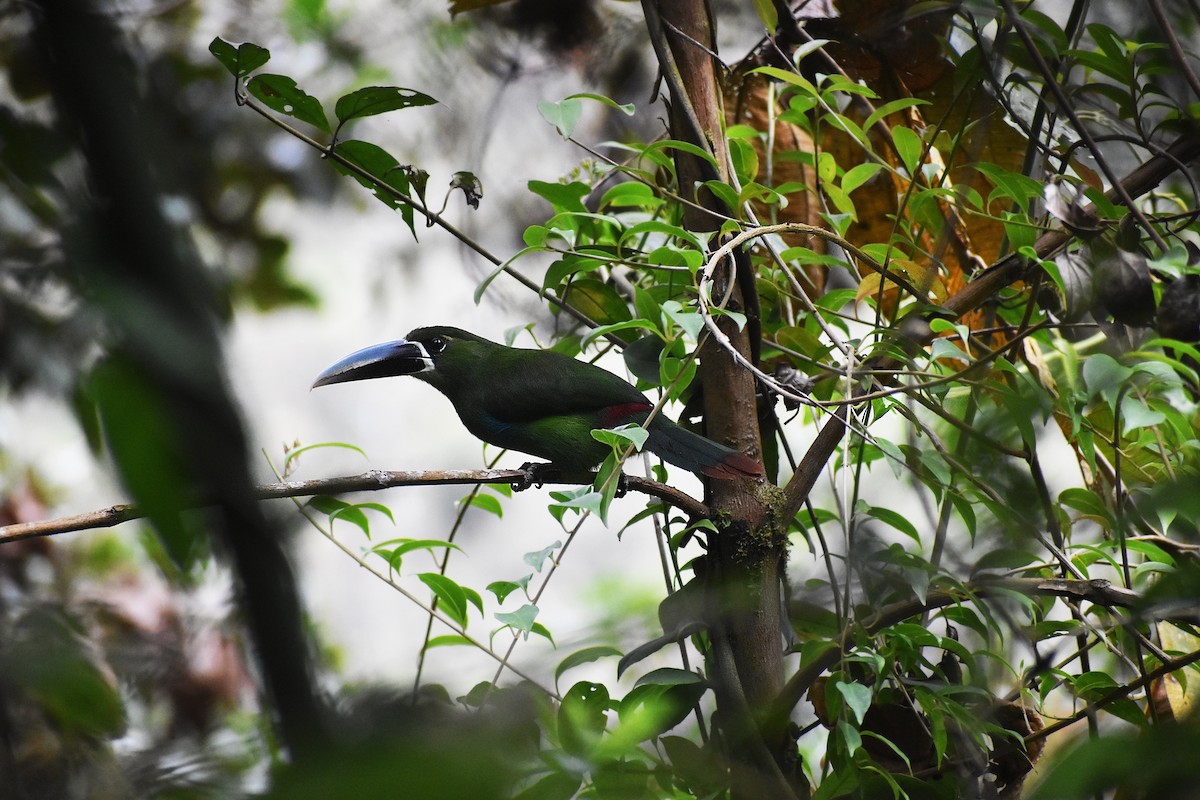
<point>622,485</point>
<point>533,474</point>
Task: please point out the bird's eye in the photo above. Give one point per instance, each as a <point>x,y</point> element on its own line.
<point>436,345</point>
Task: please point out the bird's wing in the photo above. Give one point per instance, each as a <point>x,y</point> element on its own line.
<point>531,385</point>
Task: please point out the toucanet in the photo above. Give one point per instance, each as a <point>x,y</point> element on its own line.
<point>537,402</point>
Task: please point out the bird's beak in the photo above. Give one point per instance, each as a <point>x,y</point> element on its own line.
<point>400,357</point>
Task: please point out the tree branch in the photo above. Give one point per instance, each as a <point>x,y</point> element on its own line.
<point>1099,592</point>
<point>366,482</point>
<point>917,332</point>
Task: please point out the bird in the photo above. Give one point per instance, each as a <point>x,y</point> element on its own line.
<point>538,402</point>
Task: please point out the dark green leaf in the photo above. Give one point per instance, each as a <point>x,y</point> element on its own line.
<point>584,656</point>
<point>374,100</point>
<point>895,519</point>
<point>599,301</point>
<point>488,503</point>
<point>582,717</point>
<point>555,786</point>
<point>652,709</point>
<point>48,659</point>
<point>469,185</point>
<point>380,167</point>
<point>563,197</point>
<point>543,631</point>
<point>449,640</point>
<point>240,61</point>
<point>767,13</point>
<point>453,598</point>
<point>280,93</point>
<point>144,441</point>
<point>502,589</point>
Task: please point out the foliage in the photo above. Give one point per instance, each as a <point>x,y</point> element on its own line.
<point>961,265</point>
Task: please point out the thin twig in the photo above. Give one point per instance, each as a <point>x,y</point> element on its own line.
<point>366,482</point>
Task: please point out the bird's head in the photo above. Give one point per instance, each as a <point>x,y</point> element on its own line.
<point>435,355</point>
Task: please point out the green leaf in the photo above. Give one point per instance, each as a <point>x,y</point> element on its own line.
<point>281,94</point>
<point>1087,503</point>
<point>619,438</point>
<point>449,640</point>
<point>857,697</point>
<point>895,519</point>
<point>767,13</point>
<point>543,631</point>
<point>563,115</point>
<point>502,589</point>
<point>850,736</point>
<point>488,503</point>
<point>598,301</point>
<point>582,717</point>
<point>1013,185</point>
<point>652,709</point>
<point>625,108</point>
<point>793,78</point>
<point>383,168</point>
<point>555,786</point>
<point>631,194</point>
<point>144,441</point>
<point>571,264</point>
<point>1095,685</point>
<point>453,598</point>
<point>890,108</point>
<point>669,676</point>
<point>584,656</point>
<point>688,319</point>
<point>858,175</point>
<point>538,557</point>
<point>350,512</point>
<point>908,147</point>
<point>296,452</point>
<point>51,664</point>
<point>500,268</point>
<point>469,185</point>
<point>409,545</point>
<point>616,327</point>
<point>372,100</point>
<point>1105,377</point>
<point>585,498</point>
<point>522,619</point>
<point>683,147</point>
<point>1136,414</point>
<point>563,197</point>
<point>241,61</point>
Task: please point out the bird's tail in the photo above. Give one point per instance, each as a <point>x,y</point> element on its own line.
<point>693,452</point>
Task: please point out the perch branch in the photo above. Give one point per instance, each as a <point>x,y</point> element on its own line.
<point>366,482</point>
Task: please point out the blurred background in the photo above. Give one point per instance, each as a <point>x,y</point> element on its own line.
<point>309,267</point>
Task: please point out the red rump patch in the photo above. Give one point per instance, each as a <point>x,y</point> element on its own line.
<point>622,413</point>
<point>738,465</point>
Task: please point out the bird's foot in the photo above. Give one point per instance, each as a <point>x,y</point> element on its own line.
<point>622,485</point>
<point>535,473</point>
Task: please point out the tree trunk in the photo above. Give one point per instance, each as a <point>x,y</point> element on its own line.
<point>742,571</point>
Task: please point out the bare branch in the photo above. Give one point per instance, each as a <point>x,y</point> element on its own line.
<point>371,481</point>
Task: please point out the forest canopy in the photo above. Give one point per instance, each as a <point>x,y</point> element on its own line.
<point>928,273</point>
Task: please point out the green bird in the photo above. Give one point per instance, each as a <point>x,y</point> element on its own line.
<point>536,401</point>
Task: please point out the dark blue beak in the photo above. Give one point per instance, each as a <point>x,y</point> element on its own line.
<point>400,357</point>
